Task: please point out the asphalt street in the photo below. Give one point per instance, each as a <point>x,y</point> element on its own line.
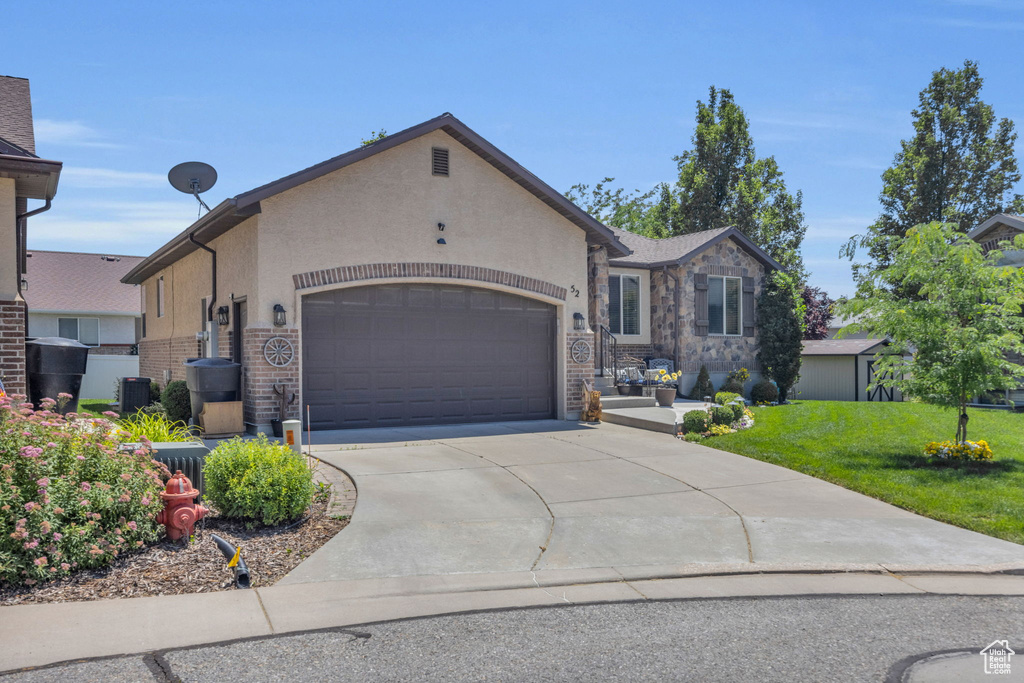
<point>739,639</point>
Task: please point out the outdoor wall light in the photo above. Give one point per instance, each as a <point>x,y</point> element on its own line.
<point>222,315</point>
<point>280,318</point>
<point>578,323</point>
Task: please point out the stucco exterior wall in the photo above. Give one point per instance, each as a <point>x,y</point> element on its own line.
<point>8,251</point>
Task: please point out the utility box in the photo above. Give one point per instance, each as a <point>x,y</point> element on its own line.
<point>55,365</point>
<point>293,434</point>
<point>134,394</point>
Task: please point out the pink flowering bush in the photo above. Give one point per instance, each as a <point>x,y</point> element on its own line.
<point>73,495</point>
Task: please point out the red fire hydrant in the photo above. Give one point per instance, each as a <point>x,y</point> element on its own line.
<point>180,512</point>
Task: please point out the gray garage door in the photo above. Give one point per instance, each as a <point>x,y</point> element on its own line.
<point>414,354</point>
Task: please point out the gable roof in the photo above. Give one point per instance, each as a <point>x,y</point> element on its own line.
<point>233,211</point>
<point>841,347</point>
<point>66,282</point>
<point>648,252</point>
<point>1008,219</point>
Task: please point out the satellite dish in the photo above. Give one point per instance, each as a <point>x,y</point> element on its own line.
<point>193,177</point>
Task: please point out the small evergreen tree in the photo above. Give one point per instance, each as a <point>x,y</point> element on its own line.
<point>779,315</point>
<point>703,387</point>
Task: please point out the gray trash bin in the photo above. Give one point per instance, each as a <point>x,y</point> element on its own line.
<point>211,380</point>
<point>55,365</point>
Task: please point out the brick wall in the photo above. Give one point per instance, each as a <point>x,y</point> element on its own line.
<point>112,350</point>
<point>575,373</point>
<point>12,346</point>
<point>261,404</point>
<point>640,351</point>
<point>157,355</point>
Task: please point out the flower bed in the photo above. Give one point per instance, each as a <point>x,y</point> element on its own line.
<point>965,451</point>
<point>73,495</point>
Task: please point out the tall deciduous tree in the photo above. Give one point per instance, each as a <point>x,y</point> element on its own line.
<point>779,315</point>
<point>721,183</point>
<point>958,332</point>
<point>959,167</point>
<point>818,312</point>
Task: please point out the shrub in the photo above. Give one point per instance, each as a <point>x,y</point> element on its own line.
<point>154,393</point>
<point>721,415</point>
<point>176,401</point>
<point>764,392</point>
<point>735,381</point>
<point>703,387</point>
<point>738,410</point>
<point>155,427</point>
<point>693,437</point>
<point>724,397</point>
<point>258,481</point>
<point>72,495</point>
<point>731,386</point>
<point>696,421</point>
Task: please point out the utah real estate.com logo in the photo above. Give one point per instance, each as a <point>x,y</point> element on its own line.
<point>997,657</point>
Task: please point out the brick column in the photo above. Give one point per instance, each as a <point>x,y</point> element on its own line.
<point>12,346</point>
<point>261,404</point>
<point>575,373</point>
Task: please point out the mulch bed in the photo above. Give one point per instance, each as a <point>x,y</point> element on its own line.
<point>167,568</point>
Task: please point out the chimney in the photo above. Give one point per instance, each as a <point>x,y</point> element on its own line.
<point>16,113</point>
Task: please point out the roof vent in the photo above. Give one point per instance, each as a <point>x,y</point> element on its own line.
<point>439,161</point>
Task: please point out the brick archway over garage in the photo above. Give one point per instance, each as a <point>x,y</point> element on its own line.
<point>378,271</point>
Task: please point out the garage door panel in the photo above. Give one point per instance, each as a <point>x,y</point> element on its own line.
<point>426,354</point>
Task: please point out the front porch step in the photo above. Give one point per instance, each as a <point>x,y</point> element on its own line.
<point>610,402</point>
<point>652,419</point>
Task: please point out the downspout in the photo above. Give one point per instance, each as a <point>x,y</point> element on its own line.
<point>214,350</point>
<point>21,245</point>
<point>675,325</point>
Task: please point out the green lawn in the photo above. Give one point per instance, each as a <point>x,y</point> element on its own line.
<point>876,449</point>
<point>95,406</point>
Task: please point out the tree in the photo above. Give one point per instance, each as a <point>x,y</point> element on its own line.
<point>954,339</point>
<point>818,315</point>
<point>959,167</point>
<point>779,315</point>
<point>721,183</point>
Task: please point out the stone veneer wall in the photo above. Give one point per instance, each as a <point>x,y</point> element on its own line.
<point>12,346</point>
<point>597,286</point>
<point>261,404</point>
<point>575,373</point>
<point>719,353</point>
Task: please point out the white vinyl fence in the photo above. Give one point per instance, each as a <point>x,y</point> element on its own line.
<point>102,374</point>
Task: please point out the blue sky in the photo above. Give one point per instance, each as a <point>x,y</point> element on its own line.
<point>574,91</point>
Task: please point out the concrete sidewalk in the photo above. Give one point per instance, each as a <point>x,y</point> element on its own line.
<point>472,517</point>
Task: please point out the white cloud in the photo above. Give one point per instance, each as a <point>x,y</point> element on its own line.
<point>72,133</point>
<point>839,228</point>
<point>107,177</point>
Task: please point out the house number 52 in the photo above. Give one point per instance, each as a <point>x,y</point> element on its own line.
<point>575,292</point>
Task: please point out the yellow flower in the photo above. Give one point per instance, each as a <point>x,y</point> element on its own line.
<point>662,371</point>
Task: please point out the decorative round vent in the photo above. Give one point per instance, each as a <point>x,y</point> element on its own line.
<point>278,351</point>
<point>581,351</point>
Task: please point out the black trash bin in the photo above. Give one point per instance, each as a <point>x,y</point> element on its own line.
<point>55,365</point>
<point>211,380</point>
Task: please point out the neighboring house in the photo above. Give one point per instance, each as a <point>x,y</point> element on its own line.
<point>840,323</point>
<point>1002,227</point>
<point>429,278</point>
<point>81,296</point>
<point>841,370</point>
<point>23,176</point>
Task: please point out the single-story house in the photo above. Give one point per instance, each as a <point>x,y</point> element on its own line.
<point>81,296</point>
<point>999,228</point>
<point>23,176</point>
<point>841,370</point>
<point>429,278</point>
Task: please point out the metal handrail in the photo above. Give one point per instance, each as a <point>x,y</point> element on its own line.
<point>607,352</point>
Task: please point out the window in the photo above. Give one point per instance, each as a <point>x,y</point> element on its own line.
<point>160,297</point>
<point>624,304</point>
<point>85,330</point>
<point>724,314</point>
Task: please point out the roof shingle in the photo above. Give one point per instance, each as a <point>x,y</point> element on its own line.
<point>16,113</point>
<point>72,281</point>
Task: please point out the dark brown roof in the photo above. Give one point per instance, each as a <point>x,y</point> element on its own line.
<point>231,212</point>
<point>841,347</point>
<point>16,113</point>
<point>72,281</point>
<point>655,253</point>
<point>1008,219</point>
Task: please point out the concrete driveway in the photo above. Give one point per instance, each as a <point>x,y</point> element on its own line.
<point>549,496</point>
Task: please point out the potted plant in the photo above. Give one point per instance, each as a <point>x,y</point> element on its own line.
<point>276,426</point>
<point>665,389</point>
